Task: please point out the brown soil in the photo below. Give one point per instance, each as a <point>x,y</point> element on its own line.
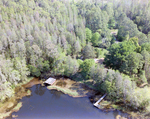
<point>33,82</point>
<point>10,105</point>
<point>14,108</point>
<point>119,117</point>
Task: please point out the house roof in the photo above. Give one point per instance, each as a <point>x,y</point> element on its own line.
<point>50,81</point>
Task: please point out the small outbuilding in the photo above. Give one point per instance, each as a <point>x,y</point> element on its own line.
<point>50,81</point>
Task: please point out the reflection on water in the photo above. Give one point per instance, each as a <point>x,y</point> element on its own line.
<point>51,104</point>
<point>56,94</point>
<point>40,90</point>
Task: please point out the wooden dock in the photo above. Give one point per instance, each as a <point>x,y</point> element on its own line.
<point>97,103</point>
<point>50,81</point>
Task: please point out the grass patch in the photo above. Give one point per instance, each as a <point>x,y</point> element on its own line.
<point>5,113</point>
<point>66,91</point>
<point>115,106</point>
<point>29,92</point>
<point>2,115</point>
<point>18,106</point>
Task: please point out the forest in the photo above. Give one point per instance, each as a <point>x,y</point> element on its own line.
<point>63,37</point>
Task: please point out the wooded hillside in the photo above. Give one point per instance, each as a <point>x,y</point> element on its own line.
<point>62,37</point>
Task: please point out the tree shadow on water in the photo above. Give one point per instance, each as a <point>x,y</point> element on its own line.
<point>56,94</point>
<point>40,90</point>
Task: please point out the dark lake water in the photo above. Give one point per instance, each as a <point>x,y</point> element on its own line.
<point>52,104</point>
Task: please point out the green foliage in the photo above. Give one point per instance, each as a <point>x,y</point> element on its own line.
<point>143,77</point>
<point>88,34</point>
<point>58,65</point>
<point>6,91</point>
<point>34,71</point>
<point>47,36</point>
<point>46,66</point>
<point>65,65</point>
<point>71,66</point>
<point>128,29</point>
<point>125,57</point>
<point>98,74</point>
<point>88,52</point>
<point>112,23</point>
<point>118,86</point>
<point>100,53</point>
<point>133,64</point>
<point>113,40</point>
<point>76,47</point>
<point>140,98</point>
<point>134,41</point>
<point>121,35</point>
<point>146,62</point>
<point>96,39</point>
<point>118,53</point>
<point>145,46</point>
<point>79,61</point>
<point>86,66</point>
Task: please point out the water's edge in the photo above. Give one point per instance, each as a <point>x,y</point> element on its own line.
<point>39,91</point>
<point>44,103</point>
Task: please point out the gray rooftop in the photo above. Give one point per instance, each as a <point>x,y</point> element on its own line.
<point>50,81</point>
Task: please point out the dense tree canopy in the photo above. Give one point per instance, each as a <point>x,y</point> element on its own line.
<point>62,37</point>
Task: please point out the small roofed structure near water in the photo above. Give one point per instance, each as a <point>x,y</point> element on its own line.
<point>50,81</point>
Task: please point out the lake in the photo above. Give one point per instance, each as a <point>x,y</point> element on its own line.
<point>52,104</point>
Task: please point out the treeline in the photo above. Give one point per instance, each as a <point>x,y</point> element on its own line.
<point>138,12</point>
<point>40,35</point>
<point>119,87</point>
<point>61,37</point>
<point>130,58</point>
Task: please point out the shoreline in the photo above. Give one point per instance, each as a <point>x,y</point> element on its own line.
<point>104,104</point>
<point>70,87</point>
<point>11,105</point>
<point>14,109</point>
